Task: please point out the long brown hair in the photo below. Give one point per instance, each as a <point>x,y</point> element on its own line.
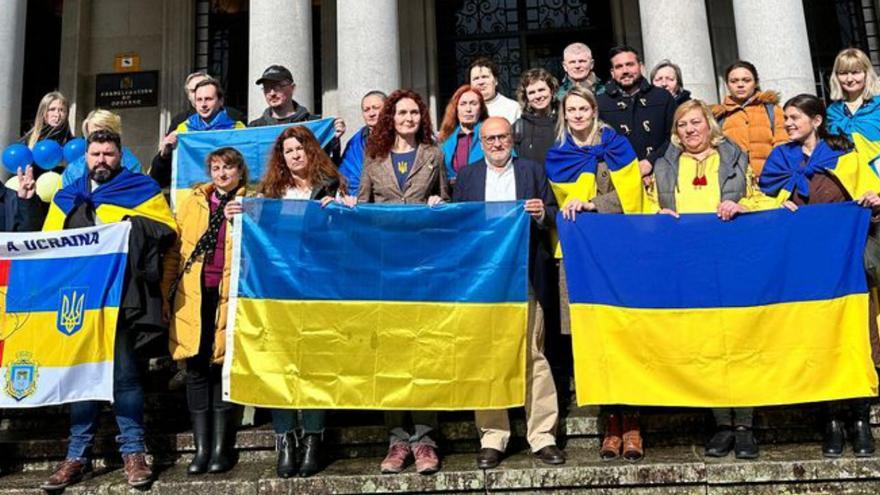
<point>381,139</point>
<point>450,117</point>
<point>278,178</point>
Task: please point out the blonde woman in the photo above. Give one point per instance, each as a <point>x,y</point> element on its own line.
<point>50,121</point>
<point>855,111</point>
<point>586,146</point>
<point>100,120</point>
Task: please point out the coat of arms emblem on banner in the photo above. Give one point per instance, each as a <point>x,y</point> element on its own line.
<point>21,376</point>
<point>71,313</point>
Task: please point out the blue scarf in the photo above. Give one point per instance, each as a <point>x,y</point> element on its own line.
<point>353,160</point>
<point>866,120</point>
<point>126,190</point>
<point>448,147</point>
<point>785,168</point>
<point>221,121</point>
<point>566,161</point>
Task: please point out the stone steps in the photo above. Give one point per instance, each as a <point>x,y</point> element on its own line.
<point>673,470</point>
<point>580,430</point>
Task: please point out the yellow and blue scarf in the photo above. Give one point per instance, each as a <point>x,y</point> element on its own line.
<point>127,194</point>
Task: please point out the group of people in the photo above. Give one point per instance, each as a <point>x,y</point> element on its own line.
<point>635,135</point>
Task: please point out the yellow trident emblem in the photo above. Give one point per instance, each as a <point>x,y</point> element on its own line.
<point>70,318</point>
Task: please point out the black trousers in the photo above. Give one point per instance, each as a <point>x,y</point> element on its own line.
<point>204,385</point>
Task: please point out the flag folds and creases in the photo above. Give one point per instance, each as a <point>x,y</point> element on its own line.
<point>59,301</point>
<point>378,307</point>
<point>770,308</point>
<point>255,145</point>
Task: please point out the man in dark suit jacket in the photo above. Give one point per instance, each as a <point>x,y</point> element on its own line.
<point>502,177</point>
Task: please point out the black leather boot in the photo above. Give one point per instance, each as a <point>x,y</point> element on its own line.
<point>744,444</point>
<point>721,442</point>
<point>285,444</point>
<point>311,455</point>
<point>201,425</point>
<point>862,438</point>
<point>834,439</point>
<point>222,456</point>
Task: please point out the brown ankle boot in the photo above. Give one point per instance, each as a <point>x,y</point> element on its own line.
<point>632,438</point>
<point>612,441</point>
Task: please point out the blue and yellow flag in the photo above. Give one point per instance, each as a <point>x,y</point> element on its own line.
<point>862,128</point>
<point>572,169</point>
<point>59,302</point>
<point>255,144</point>
<point>787,170</point>
<point>378,307</point>
<point>127,194</point>
<point>693,315</point>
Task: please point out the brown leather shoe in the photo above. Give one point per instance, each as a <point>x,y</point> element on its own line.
<point>551,455</point>
<point>632,438</point>
<point>136,470</point>
<point>70,471</point>
<point>612,442</point>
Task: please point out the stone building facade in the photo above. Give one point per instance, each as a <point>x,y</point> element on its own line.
<point>340,49</point>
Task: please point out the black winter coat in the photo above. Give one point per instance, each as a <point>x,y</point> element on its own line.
<point>645,118</point>
<point>533,135</point>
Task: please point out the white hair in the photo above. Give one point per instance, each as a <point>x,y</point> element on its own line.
<point>576,48</point>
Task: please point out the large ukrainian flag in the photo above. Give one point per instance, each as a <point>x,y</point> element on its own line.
<point>255,144</point>
<point>695,315</point>
<point>59,302</point>
<point>378,307</point>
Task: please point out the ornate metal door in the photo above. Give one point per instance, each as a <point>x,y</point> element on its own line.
<point>517,35</point>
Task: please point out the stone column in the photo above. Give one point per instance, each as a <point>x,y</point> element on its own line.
<point>678,30</point>
<point>178,48</point>
<point>11,62</point>
<point>280,33</point>
<point>776,43</point>
<point>368,46</point>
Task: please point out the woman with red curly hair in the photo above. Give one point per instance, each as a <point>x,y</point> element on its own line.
<point>460,131</point>
<point>403,163</point>
<point>299,169</point>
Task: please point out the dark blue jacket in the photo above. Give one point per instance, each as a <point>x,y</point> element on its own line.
<point>645,118</point>
<point>531,182</point>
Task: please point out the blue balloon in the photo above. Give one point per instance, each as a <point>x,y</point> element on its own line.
<point>74,149</point>
<point>17,155</point>
<point>47,154</point>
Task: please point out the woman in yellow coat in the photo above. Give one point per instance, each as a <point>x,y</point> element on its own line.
<point>196,286</point>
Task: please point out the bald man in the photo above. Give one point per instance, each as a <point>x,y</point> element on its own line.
<point>500,176</point>
<point>578,63</point>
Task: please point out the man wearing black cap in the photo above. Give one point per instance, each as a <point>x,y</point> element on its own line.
<point>278,87</point>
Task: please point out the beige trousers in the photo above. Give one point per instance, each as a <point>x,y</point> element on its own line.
<point>542,409</point>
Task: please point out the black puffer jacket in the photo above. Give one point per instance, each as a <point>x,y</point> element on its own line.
<point>645,118</point>
<point>533,135</point>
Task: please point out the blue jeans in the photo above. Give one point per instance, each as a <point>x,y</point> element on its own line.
<point>311,421</point>
<point>128,405</point>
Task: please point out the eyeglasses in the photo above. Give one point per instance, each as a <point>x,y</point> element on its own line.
<point>498,138</point>
<point>268,88</point>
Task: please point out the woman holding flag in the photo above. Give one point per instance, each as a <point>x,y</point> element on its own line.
<point>704,172</point>
<point>593,168</point>
<point>196,286</point>
<point>818,168</point>
<point>460,130</point>
<point>299,169</point>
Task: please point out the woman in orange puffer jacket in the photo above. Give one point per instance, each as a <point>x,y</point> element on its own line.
<point>749,117</point>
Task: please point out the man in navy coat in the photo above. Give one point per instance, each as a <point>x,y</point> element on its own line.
<point>502,177</point>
